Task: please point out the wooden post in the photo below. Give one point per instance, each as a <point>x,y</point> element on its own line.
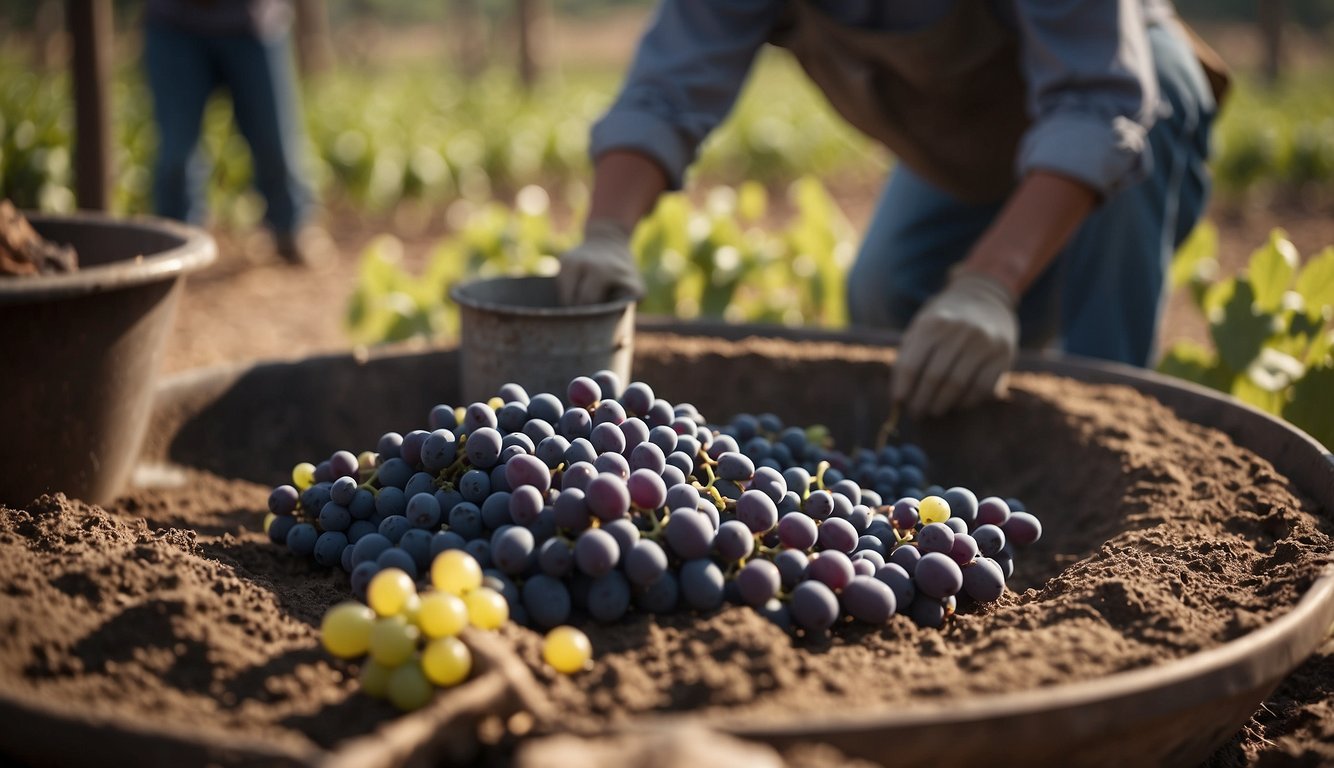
<point>314,51</point>
<point>1271,15</point>
<point>90,37</point>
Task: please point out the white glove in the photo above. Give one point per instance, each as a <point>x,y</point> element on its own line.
<point>957,348</point>
<point>599,269</point>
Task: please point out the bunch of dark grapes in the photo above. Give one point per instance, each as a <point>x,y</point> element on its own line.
<point>611,500</point>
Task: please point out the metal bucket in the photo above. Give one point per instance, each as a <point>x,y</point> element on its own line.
<point>80,352</point>
<point>513,329</point>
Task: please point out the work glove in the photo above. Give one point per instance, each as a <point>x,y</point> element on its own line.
<point>957,348</point>
<point>599,269</point>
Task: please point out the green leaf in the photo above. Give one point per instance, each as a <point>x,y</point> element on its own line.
<point>1310,407</point>
<point>1315,284</point>
<point>1245,389</point>
<point>1195,259</point>
<point>1274,371</point>
<point>1240,332</point>
<point>1195,362</point>
<point>1271,270</point>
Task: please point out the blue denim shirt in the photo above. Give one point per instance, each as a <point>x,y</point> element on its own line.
<point>1092,92</point>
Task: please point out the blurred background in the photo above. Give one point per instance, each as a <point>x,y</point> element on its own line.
<point>448,138</point>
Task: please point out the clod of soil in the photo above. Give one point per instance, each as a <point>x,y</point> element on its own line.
<point>24,252</point>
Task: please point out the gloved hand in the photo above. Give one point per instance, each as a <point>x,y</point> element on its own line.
<point>957,347</point>
<point>601,268</point>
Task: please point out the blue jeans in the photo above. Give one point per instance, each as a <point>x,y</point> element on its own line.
<point>1104,294</point>
<point>183,71</point>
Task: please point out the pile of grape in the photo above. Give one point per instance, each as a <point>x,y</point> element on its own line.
<point>613,499</point>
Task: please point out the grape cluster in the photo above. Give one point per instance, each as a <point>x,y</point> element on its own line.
<point>612,499</point>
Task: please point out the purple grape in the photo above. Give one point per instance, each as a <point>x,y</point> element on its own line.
<point>898,580</point>
<point>757,511</point>
<point>496,510</point>
<point>647,490</point>
<point>465,519</point>
<point>869,555</point>
<point>635,432</point>
<point>389,443</point>
<point>475,417</point>
<point>682,495</point>
<point>868,543</point>
<point>607,438</point>
<point>343,464</point>
<point>538,430</point>
<point>964,550</point>
<point>397,558</point>
<point>1022,529</point>
<point>904,515</point>
<point>393,473</point>
<point>575,422</point>
<point>546,407</point>
<point>957,525</point>
<point>797,531</point>
<point>814,607</point>
<point>525,504</point>
<point>369,547</point>
<point>842,507</point>
<point>324,472</point>
<point>832,568</point>
<point>546,600</point>
<point>443,540</point>
<point>512,549</point>
<point>935,537</point>
<point>361,577</point>
<point>791,564</point>
<point>720,445</point>
<point>609,383</point>
<point>608,597</point>
<point>938,576</point>
<point>578,475</point>
<point>758,582</point>
<point>665,438</point>
<point>555,558</point>
<point>990,539</point>
<point>328,550</point>
<point>797,479</point>
<point>358,529</point>
<point>992,511</point>
<point>863,568</point>
<point>819,505</point>
<point>515,443</point>
<point>645,563</point>
<point>702,584</point>
<point>510,391</point>
<point>608,412</point>
<point>648,456</point>
<point>334,517</point>
<point>482,448</point>
<point>868,600</point>
<point>660,597</point>
<point>417,543</point>
<point>583,392</point>
<point>849,490</point>
<point>637,398</point>
<point>283,499</point>
<point>528,471</point>
<point>837,534</point>
<point>736,467</point>
<point>613,463</point>
<point>342,491</point>
<point>963,504</point>
<point>928,612</point>
<point>607,497</point>
<point>551,451</point>
<point>423,511</point>
<point>689,534</point>
<point>672,476</point>
<point>734,541</point>
<point>596,552</point>
<point>983,580</point>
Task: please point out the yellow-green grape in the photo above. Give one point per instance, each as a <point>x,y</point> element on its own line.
<point>567,650</point>
<point>389,591</point>
<point>933,509</point>
<point>459,412</point>
<point>393,640</point>
<point>442,614</point>
<point>411,608</point>
<point>456,572</point>
<point>446,661</point>
<point>303,475</point>
<point>366,460</point>
<point>375,678</point>
<point>496,403</point>
<point>487,608</point>
<point>268,521</point>
<point>346,629</point>
<point>408,688</point>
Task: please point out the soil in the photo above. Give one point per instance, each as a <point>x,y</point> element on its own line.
<point>149,610</point>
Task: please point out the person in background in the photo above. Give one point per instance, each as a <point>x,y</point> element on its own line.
<point>1049,159</point>
<point>195,47</point>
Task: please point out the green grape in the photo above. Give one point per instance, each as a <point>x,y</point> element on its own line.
<point>393,640</point>
<point>366,460</point>
<point>375,678</point>
<point>487,608</point>
<point>346,629</point>
<point>496,403</point>
<point>408,688</point>
<point>412,608</point>
<point>390,591</point>
<point>456,572</point>
<point>446,661</point>
<point>933,509</point>
<point>442,614</point>
<point>567,650</point>
<point>303,476</point>
<point>268,521</point>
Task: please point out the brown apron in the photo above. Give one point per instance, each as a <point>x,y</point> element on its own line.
<point>948,100</point>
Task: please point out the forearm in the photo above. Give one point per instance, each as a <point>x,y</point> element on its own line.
<point>626,186</point>
<point>1041,215</point>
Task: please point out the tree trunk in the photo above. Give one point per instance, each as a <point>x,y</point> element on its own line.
<point>314,50</point>
<point>90,34</point>
<point>469,37</point>
<point>528,28</point>
<point>1271,15</point>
